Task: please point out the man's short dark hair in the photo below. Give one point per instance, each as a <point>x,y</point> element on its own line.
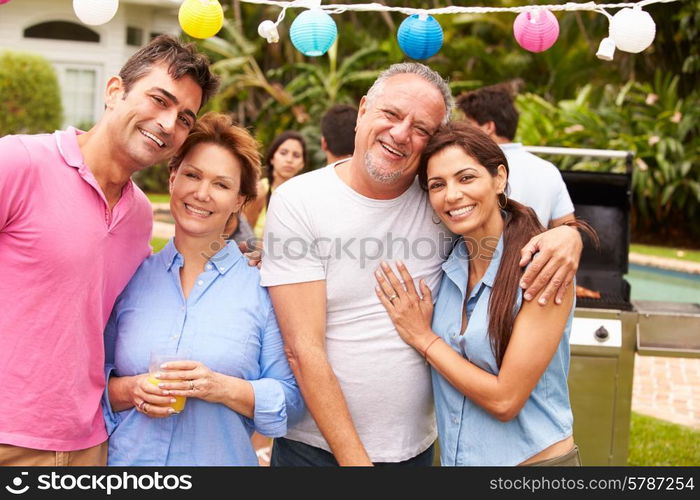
<point>493,103</point>
<point>181,60</point>
<point>338,128</point>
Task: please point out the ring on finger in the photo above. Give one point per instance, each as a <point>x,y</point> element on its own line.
<point>391,299</point>
<point>191,385</point>
<point>140,405</point>
<point>144,407</point>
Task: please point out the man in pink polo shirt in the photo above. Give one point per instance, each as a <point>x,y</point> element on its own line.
<point>73,229</point>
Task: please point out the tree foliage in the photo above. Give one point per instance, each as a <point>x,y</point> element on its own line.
<point>571,97</point>
<point>30,98</point>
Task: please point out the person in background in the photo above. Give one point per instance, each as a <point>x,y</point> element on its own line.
<point>285,158</point>
<point>534,182</point>
<point>499,364</point>
<point>199,296</point>
<point>338,132</point>
<point>369,394</point>
<point>62,284</point>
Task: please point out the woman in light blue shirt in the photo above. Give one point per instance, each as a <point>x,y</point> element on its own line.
<point>199,296</point>
<point>499,364</point>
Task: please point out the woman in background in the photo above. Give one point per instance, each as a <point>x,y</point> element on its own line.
<point>285,158</point>
<point>199,296</point>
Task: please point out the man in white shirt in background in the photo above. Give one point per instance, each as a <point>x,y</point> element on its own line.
<point>533,181</point>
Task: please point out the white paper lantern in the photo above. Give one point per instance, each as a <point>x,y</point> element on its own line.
<point>95,12</point>
<point>632,29</point>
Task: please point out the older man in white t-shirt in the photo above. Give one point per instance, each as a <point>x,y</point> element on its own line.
<point>368,394</point>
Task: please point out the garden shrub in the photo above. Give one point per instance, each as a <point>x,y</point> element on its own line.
<point>30,97</point>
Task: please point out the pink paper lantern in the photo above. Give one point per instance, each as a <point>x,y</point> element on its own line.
<point>3,1</point>
<point>536,29</point>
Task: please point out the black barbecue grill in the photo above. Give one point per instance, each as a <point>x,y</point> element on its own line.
<point>607,332</point>
<point>603,200</point>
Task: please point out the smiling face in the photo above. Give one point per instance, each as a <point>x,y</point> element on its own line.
<point>394,127</point>
<point>205,191</point>
<point>288,160</point>
<point>463,193</point>
<point>149,123</point>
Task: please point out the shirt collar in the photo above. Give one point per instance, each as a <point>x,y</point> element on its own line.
<point>222,261</point>
<point>67,142</point>
<point>456,266</point>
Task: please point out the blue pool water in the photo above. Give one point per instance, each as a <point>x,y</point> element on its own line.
<point>650,283</point>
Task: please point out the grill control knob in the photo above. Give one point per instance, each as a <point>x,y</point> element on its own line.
<point>601,334</point>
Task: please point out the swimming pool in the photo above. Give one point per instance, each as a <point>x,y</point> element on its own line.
<point>651,283</point>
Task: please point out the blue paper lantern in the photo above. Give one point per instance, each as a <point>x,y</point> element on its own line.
<point>420,36</point>
<point>313,32</point>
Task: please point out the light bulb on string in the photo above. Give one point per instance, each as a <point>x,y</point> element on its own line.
<point>313,32</point>
<point>536,29</point>
<point>632,29</point>
<point>268,30</point>
<point>420,36</point>
<point>95,12</point>
<point>201,18</point>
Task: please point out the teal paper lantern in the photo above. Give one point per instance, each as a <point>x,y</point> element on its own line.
<point>420,36</point>
<point>313,32</point>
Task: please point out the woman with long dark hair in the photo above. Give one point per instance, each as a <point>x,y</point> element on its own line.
<point>499,363</point>
<point>285,158</point>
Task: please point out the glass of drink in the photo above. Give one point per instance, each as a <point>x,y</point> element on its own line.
<point>157,359</point>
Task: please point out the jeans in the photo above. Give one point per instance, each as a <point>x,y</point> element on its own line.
<point>288,453</point>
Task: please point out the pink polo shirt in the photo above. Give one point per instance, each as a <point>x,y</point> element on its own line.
<point>63,260</point>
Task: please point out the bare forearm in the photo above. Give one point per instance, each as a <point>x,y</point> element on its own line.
<point>237,394</point>
<point>481,387</point>
<point>326,404</point>
<point>120,391</point>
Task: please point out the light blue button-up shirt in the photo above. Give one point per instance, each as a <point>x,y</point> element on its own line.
<point>228,324</point>
<point>468,434</point>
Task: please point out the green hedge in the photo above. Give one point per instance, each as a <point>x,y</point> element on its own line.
<point>30,97</point>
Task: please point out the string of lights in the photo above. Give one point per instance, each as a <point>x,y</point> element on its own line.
<point>420,36</point>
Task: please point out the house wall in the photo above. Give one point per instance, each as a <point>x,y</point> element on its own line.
<point>102,59</point>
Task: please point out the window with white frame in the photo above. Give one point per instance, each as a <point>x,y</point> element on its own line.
<point>79,94</point>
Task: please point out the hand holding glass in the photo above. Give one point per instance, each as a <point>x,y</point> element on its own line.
<point>157,359</point>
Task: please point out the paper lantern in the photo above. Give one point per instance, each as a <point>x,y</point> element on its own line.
<point>268,30</point>
<point>313,32</point>
<point>420,36</point>
<point>201,18</point>
<point>3,1</point>
<point>95,12</point>
<point>632,29</point>
<point>536,29</point>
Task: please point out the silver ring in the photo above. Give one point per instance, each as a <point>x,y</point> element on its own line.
<point>142,406</point>
<point>391,299</point>
<point>191,385</point>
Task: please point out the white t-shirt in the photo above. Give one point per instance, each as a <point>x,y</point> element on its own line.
<point>318,228</point>
<point>536,183</point>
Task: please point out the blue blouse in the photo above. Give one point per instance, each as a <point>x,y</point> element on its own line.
<point>468,434</point>
<point>227,323</point>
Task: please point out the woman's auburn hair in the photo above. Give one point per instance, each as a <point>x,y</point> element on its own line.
<point>219,129</point>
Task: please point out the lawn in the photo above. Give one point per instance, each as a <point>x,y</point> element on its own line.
<point>673,253</point>
<point>158,197</point>
<point>657,442</point>
<point>158,244</point>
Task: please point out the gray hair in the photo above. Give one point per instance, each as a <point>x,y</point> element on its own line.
<point>418,69</point>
